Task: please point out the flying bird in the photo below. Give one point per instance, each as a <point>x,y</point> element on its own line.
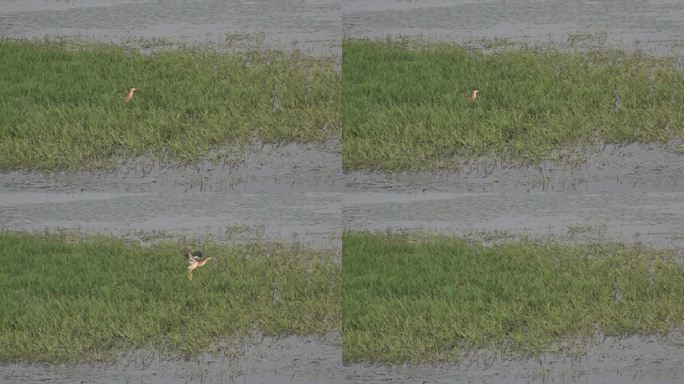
<point>473,94</point>
<point>129,94</point>
<point>195,260</point>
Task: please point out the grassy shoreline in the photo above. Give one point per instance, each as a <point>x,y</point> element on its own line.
<point>429,299</point>
<point>67,300</point>
<point>61,105</point>
<point>403,105</point>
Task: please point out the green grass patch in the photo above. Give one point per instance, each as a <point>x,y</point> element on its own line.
<point>403,105</point>
<point>410,299</point>
<point>61,104</point>
<point>89,299</point>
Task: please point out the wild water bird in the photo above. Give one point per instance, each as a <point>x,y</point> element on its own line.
<point>618,102</point>
<point>275,102</point>
<point>129,94</point>
<point>195,260</point>
<point>617,293</point>
<point>473,94</point>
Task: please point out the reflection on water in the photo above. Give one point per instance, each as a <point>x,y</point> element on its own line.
<point>313,219</point>
<point>610,361</point>
<point>628,193</point>
<point>269,361</point>
<point>317,219</point>
<point>610,169</point>
<point>315,360</point>
<point>654,219</point>
<point>312,26</point>
<point>298,199</point>
<point>269,168</point>
<point>652,24</point>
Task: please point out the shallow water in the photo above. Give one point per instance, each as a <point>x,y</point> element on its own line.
<point>317,219</point>
<point>297,193</point>
<point>653,25</point>
<point>314,168</point>
<point>268,361</point>
<point>262,169</point>
<point>628,193</point>
<point>652,219</point>
<point>611,168</point>
<point>275,193</point>
<point>611,361</point>
<point>310,218</point>
<point>311,26</point>
<point>318,360</point>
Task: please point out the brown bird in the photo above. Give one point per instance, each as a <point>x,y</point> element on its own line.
<point>129,94</point>
<point>473,95</point>
<point>195,260</point>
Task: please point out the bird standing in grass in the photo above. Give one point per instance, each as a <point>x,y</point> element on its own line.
<point>275,102</point>
<point>473,94</point>
<point>195,260</point>
<point>617,103</point>
<point>129,94</point>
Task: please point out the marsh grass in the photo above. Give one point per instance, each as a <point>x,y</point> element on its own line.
<point>403,104</point>
<point>61,105</point>
<point>90,299</point>
<point>429,299</point>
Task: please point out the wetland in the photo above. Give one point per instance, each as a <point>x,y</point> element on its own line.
<point>403,105</point>
<point>429,299</point>
<point>542,180</point>
<point>88,298</point>
<point>61,104</point>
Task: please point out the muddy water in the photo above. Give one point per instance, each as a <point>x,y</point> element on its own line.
<point>312,219</point>
<point>653,219</point>
<point>318,360</point>
<point>260,169</point>
<point>297,193</point>
<point>317,219</point>
<point>632,193</point>
<point>312,26</point>
<point>653,25</point>
<point>628,193</point>
<point>268,361</point>
<point>611,361</point>
<point>276,193</point>
<point>611,168</point>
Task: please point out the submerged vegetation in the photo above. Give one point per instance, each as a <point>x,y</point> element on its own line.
<point>428,299</point>
<point>61,104</point>
<point>404,107</point>
<point>81,300</point>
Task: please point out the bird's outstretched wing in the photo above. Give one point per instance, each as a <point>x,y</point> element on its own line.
<point>190,255</point>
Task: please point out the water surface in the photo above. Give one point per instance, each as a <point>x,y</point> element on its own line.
<point>269,361</point>
<point>653,219</point>
<point>318,360</point>
<point>311,219</point>
<point>635,359</point>
<point>286,168</point>
<point>312,26</point>
<point>598,169</point>
<point>653,25</point>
